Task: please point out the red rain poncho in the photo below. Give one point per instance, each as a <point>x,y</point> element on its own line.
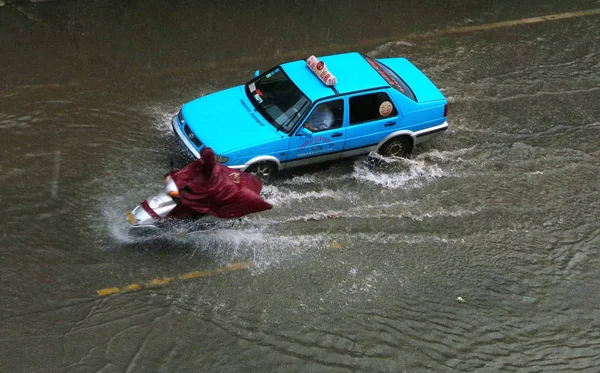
<point>209,188</point>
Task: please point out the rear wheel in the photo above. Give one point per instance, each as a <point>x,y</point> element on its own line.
<point>397,147</point>
<point>265,171</point>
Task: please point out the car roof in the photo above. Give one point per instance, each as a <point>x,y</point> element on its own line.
<point>352,71</point>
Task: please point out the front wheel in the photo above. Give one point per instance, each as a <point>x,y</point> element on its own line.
<point>396,147</point>
<point>264,171</point>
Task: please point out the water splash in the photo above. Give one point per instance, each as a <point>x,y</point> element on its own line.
<point>161,118</point>
<point>279,196</point>
<point>301,180</point>
<point>397,173</point>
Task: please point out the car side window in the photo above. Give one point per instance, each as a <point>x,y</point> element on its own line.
<point>372,106</point>
<point>326,116</point>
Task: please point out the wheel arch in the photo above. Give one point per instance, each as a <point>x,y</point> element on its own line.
<point>404,133</point>
<point>263,158</point>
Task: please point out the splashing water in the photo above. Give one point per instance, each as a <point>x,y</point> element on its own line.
<point>285,196</point>
<point>412,173</point>
<point>161,119</point>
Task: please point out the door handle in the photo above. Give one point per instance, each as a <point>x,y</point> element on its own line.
<point>337,134</point>
<point>389,124</point>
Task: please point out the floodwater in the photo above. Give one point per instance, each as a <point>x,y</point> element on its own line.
<point>478,254</point>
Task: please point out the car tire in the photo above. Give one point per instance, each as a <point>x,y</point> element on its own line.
<point>400,146</point>
<point>264,171</point>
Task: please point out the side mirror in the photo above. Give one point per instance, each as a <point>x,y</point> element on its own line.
<point>256,73</point>
<point>306,132</point>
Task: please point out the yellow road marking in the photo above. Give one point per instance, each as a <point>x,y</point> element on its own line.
<point>235,267</point>
<point>195,274</point>
<point>378,41</point>
<point>165,280</point>
<point>107,291</point>
<point>331,48</point>
<point>132,287</point>
<point>516,22</point>
<point>160,281</point>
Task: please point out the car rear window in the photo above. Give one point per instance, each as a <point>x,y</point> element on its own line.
<point>371,106</point>
<point>391,78</point>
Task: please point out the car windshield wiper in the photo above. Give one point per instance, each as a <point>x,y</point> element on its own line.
<point>292,116</point>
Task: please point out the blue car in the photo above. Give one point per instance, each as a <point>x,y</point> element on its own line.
<point>309,111</point>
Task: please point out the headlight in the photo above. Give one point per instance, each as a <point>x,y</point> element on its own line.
<point>131,218</point>
<point>222,159</point>
<point>171,187</point>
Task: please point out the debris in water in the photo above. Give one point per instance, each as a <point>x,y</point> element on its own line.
<point>460,299</point>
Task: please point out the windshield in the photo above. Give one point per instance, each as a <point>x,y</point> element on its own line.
<point>278,99</point>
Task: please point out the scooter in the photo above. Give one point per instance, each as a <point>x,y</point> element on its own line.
<point>163,211</point>
<point>205,193</point>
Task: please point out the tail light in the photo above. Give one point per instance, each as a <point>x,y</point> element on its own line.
<point>446,110</point>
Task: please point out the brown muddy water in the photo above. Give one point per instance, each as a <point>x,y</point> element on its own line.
<point>360,265</point>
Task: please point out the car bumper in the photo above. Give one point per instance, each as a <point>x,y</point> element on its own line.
<point>429,133</point>
<point>240,167</point>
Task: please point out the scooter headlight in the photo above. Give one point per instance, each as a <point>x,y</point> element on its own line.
<point>171,187</point>
<point>131,218</point>
<point>222,159</point>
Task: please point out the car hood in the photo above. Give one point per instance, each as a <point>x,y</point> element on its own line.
<point>226,120</point>
<point>420,84</point>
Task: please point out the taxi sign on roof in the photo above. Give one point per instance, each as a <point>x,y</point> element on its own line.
<point>320,70</point>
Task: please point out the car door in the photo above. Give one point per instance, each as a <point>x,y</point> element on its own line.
<point>372,115</point>
<point>321,135</point>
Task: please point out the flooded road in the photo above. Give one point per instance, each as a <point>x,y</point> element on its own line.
<point>477,254</point>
